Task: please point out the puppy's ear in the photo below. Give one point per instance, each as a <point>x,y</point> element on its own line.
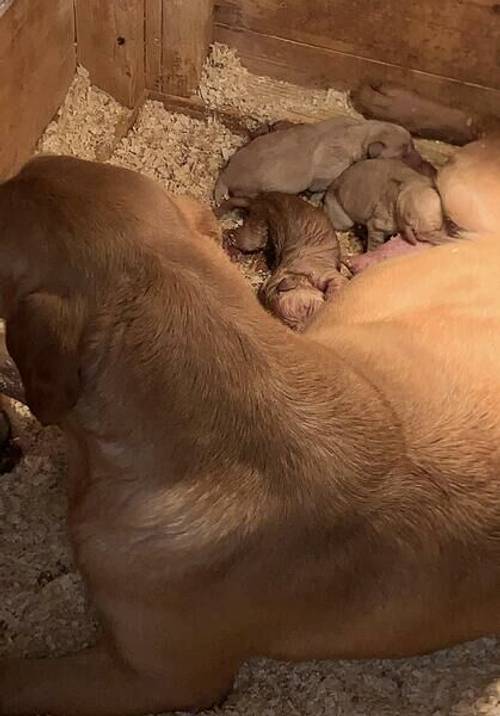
<point>375,149</point>
<point>43,338</point>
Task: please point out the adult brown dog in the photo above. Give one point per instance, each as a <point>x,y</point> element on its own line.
<point>236,489</point>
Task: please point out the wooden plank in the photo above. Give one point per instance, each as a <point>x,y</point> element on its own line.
<point>110,37</point>
<point>453,38</point>
<point>153,29</point>
<point>37,64</point>
<point>187,34</point>
<point>317,67</point>
<point>194,107</point>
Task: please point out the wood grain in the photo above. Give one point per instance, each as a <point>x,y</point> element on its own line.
<point>452,38</point>
<point>316,67</point>
<point>37,64</point>
<point>153,28</point>
<point>110,38</point>
<point>187,34</point>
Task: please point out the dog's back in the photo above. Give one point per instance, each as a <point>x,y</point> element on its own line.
<point>469,185</point>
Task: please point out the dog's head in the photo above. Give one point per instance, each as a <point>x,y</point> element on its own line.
<point>64,239</point>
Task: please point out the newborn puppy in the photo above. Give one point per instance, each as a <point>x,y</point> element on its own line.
<point>294,294</point>
<point>421,116</point>
<point>387,197</point>
<point>309,156</point>
<point>304,255</point>
<point>469,185</point>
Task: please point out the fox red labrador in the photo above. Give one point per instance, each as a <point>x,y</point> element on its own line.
<point>237,489</point>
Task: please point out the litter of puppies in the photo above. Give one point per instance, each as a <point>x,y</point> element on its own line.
<point>369,175</point>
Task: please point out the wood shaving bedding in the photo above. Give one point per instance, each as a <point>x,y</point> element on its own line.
<point>43,608</point>
<point>226,84</point>
<point>85,121</point>
<point>182,153</point>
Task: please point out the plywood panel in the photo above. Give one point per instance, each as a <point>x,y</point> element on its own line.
<point>110,38</point>
<point>317,67</point>
<point>453,38</point>
<point>37,64</point>
<point>187,34</point>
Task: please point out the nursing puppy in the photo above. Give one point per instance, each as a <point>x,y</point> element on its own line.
<point>237,489</point>
<point>387,197</point>
<point>469,186</point>
<point>303,251</point>
<point>309,156</point>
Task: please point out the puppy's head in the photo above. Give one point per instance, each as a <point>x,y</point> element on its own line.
<point>293,299</point>
<point>253,235</point>
<point>60,236</point>
<point>420,214</point>
<point>387,141</point>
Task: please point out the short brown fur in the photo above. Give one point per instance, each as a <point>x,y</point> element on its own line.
<point>237,489</point>
<point>305,255</point>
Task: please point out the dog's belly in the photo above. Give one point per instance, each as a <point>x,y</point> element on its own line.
<point>415,604</point>
<point>366,637</point>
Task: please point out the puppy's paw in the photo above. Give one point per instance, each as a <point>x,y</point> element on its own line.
<point>373,101</point>
<point>391,103</point>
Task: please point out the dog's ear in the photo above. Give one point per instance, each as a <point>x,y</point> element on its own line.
<point>375,149</point>
<point>43,338</point>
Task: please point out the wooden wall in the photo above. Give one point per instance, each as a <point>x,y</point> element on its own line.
<point>37,64</point>
<point>448,49</point>
<point>132,45</point>
<point>178,36</point>
<point>110,45</point>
